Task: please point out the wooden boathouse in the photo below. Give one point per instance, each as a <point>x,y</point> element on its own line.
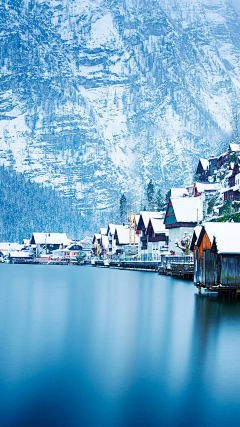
<point>216,249</point>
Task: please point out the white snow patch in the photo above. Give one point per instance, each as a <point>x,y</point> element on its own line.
<point>104,33</point>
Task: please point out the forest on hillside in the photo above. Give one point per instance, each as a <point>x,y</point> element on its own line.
<point>27,207</point>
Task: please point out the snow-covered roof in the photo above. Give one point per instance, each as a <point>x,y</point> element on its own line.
<point>158,226</point>
<point>58,251</point>
<point>228,174</point>
<point>20,254</point>
<point>179,192</point>
<point>205,163</point>
<point>50,238</point>
<point>103,231</point>
<point>197,230</point>
<point>234,147</point>
<point>235,188</point>
<point>187,209</point>
<point>146,215</point>
<point>136,218</point>
<point>123,234</point>
<point>196,233</point>
<point>111,228</point>
<point>97,237</point>
<point>25,242</point>
<point>4,246</point>
<point>68,248</point>
<point>226,189</point>
<point>71,246</point>
<point>105,242</point>
<point>225,236</point>
<point>201,187</point>
<point>223,155</point>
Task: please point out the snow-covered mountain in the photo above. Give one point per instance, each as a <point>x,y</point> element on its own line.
<point>96,97</point>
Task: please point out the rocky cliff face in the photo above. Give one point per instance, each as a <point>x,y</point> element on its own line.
<point>99,96</point>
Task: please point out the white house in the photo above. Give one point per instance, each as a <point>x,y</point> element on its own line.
<point>104,244</point>
<point>183,214</point>
<point>205,190</point>
<point>111,240</point>
<point>6,248</point>
<point>157,239</point>
<point>125,240</point>
<point>96,248</point>
<point>45,242</point>
<point>70,252</point>
<point>103,231</point>
<point>142,228</point>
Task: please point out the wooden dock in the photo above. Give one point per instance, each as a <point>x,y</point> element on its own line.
<point>151,266</point>
<point>179,267</point>
<point>183,269</point>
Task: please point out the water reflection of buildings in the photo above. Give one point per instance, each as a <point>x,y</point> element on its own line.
<point>213,315</point>
<point>215,347</point>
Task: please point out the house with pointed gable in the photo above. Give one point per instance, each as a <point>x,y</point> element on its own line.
<point>234,149</point>
<point>217,256</point>
<point>182,216</point>
<point>142,226</point>
<point>111,240</point>
<point>69,253</point>
<point>104,244</point>
<point>203,169</point>
<point>233,192</point>
<point>103,231</point>
<point>125,238</point>
<point>157,239</point>
<point>205,190</point>
<point>212,165</point>
<point>6,248</point>
<point>47,242</point>
<point>101,243</point>
<point>96,248</point>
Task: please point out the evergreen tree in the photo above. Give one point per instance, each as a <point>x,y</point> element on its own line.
<point>150,194</point>
<point>167,197</point>
<point>27,207</point>
<point>123,207</point>
<point>159,201</point>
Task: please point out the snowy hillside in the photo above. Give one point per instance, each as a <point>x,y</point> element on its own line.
<point>98,96</point>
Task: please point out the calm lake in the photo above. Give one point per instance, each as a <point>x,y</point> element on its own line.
<point>85,346</point>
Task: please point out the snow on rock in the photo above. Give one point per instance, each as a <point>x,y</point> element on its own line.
<point>103,34</point>
<point>99,97</point>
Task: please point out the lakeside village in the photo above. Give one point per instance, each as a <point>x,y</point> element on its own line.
<point>196,236</point>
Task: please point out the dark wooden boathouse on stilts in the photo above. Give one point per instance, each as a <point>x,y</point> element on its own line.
<point>216,249</point>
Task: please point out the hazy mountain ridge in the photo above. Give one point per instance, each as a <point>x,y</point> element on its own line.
<point>98,96</point>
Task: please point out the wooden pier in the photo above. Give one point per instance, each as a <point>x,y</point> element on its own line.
<point>151,266</point>
<point>179,267</point>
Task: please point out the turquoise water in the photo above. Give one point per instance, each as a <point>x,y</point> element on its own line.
<point>84,346</point>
